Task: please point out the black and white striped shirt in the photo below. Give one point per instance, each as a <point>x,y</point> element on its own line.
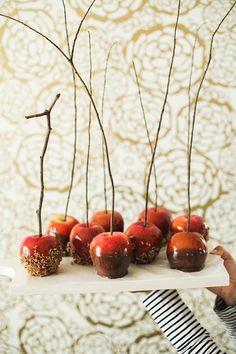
<point>180,326</point>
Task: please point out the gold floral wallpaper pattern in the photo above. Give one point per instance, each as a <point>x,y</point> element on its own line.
<point>32,72</point>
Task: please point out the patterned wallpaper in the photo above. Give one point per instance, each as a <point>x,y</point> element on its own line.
<point>32,72</point>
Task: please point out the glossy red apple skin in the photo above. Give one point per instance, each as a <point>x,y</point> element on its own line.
<point>111,254</point>
<point>61,228</point>
<point>147,242</point>
<point>41,256</point>
<point>187,251</point>
<point>160,217</point>
<point>80,238</point>
<point>197,224</point>
<point>103,218</point>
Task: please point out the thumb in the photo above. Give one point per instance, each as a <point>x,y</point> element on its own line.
<point>228,259</point>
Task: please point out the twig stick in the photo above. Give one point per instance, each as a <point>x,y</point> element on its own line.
<point>195,108</point>
<point>89,129</point>
<point>147,131</point>
<point>102,114</point>
<point>46,113</point>
<point>189,122</point>
<point>75,114</point>
<point>161,115</point>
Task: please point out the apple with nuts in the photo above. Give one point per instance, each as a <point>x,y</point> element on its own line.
<point>146,240</point>
<point>111,254</point>
<point>187,251</point>
<point>80,238</point>
<point>41,255</point>
<point>60,227</point>
<point>160,217</point>
<point>196,224</point>
<point>103,218</point>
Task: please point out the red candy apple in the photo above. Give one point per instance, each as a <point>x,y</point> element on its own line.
<point>197,224</point>
<point>111,254</point>
<point>80,238</point>
<point>41,255</point>
<point>160,217</point>
<point>147,241</point>
<point>61,228</point>
<point>103,218</point>
<point>187,251</point>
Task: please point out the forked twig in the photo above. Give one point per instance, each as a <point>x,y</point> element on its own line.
<point>46,113</point>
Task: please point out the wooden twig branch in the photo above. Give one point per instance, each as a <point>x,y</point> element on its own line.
<point>89,130</point>
<point>46,113</point>
<point>189,124</point>
<point>195,107</point>
<point>75,114</point>
<point>161,115</point>
<point>102,114</point>
<point>146,128</point>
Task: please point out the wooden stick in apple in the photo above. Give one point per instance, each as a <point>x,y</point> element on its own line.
<point>147,237</point>
<point>46,113</point>
<point>190,222</point>
<point>187,250</point>
<point>111,251</point>
<point>41,254</point>
<point>102,116</point>
<point>75,109</point>
<point>103,217</point>
<point>83,233</point>
<point>158,216</point>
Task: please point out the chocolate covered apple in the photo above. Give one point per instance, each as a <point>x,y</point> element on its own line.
<point>41,254</point>
<point>196,224</point>
<point>80,238</point>
<point>146,240</point>
<point>160,217</point>
<point>111,254</point>
<point>60,228</point>
<point>187,251</point>
<point>103,218</point>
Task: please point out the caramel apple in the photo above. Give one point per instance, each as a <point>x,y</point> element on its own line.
<point>160,217</point>
<point>197,224</point>
<point>187,251</point>
<point>60,228</point>
<point>103,218</point>
<point>146,240</point>
<point>41,255</point>
<point>111,254</point>
<point>80,238</point>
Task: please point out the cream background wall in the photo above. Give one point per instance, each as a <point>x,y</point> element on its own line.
<point>32,72</point>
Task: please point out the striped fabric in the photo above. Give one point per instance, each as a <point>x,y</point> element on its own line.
<point>178,323</point>
<point>227,314</point>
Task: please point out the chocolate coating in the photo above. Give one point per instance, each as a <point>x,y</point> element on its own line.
<point>187,260</point>
<point>111,266</point>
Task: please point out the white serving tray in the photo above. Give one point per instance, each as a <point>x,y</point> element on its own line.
<point>75,279</point>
